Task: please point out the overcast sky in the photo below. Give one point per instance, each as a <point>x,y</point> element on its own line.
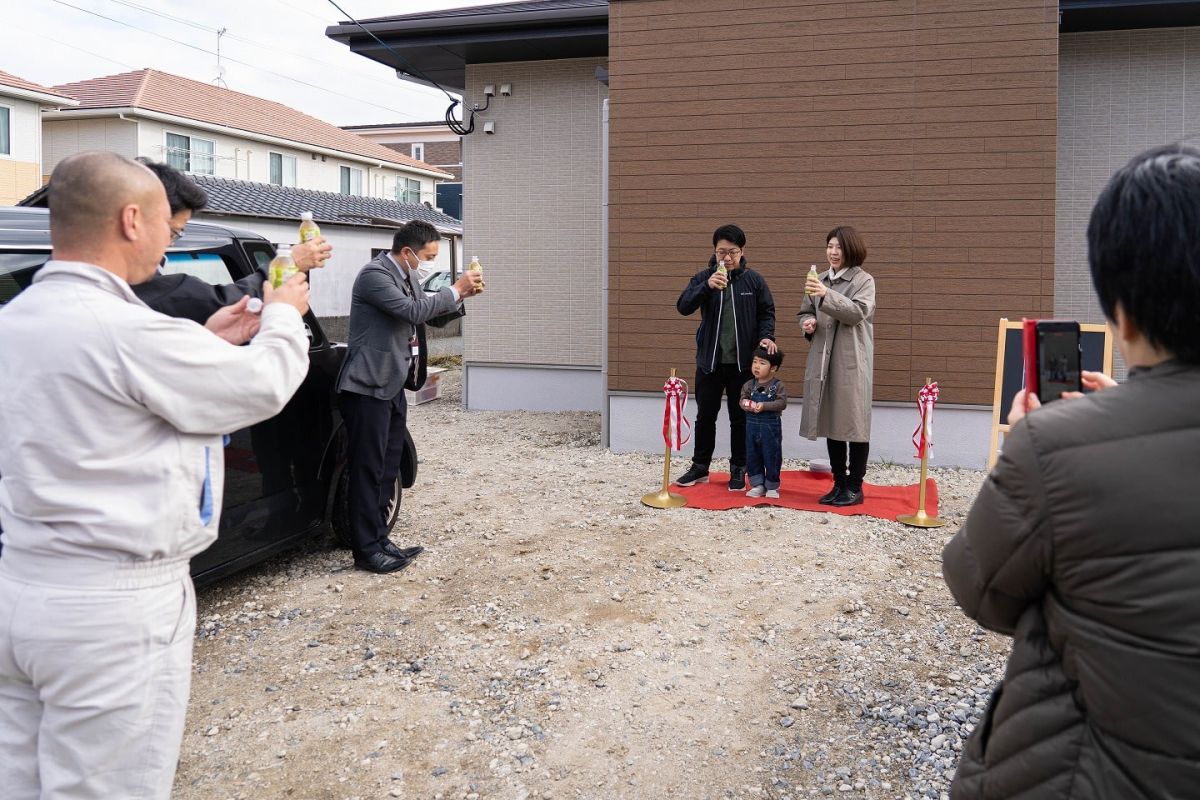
<point>275,49</point>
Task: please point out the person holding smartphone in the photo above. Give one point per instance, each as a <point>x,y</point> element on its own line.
<point>1084,542</point>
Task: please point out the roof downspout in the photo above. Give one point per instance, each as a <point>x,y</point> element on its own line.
<point>604,254</point>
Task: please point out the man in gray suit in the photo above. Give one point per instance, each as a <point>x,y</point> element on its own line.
<point>388,312</point>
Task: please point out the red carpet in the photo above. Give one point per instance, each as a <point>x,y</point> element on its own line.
<point>801,489</point>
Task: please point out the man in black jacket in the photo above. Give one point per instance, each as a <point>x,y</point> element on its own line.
<point>737,315</point>
<point>189,297</point>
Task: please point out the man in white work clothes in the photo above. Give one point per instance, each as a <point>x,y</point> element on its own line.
<point>111,474</point>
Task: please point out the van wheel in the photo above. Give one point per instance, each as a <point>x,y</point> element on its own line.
<point>340,517</point>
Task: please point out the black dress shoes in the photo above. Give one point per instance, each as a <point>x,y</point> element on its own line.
<point>848,497</point>
<point>392,549</point>
<point>827,499</point>
<point>382,563</point>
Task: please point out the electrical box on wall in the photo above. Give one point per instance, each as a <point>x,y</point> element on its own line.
<point>489,127</point>
<point>505,89</point>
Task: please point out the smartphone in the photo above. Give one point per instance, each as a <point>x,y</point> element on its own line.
<point>1059,359</point>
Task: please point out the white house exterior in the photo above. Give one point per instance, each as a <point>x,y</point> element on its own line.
<point>357,227</point>
<point>431,142</point>
<point>206,130</point>
<point>21,103</point>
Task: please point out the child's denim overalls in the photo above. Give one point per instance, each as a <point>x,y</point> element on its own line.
<point>764,439</point>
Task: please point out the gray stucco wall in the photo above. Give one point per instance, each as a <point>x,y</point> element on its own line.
<point>533,214</point>
<point>1119,92</point>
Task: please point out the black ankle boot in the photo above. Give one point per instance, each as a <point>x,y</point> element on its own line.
<point>849,496</point>
<point>828,499</point>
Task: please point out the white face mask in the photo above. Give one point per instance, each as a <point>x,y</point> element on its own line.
<point>424,269</point>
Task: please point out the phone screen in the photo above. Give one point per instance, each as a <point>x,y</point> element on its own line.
<point>1058,361</point>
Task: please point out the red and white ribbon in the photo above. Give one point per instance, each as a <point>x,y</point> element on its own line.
<point>677,431</point>
<point>923,436</point>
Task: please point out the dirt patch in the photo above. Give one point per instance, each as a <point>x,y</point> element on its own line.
<point>560,640</point>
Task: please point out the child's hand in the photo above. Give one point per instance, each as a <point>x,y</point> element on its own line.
<point>746,404</point>
<point>758,408</point>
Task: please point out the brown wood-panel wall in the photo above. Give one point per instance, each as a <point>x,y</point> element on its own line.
<point>927,124</point>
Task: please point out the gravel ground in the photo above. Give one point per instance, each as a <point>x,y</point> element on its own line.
<point>560,640</point>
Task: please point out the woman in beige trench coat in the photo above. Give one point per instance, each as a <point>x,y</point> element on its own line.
<point>837,316</point>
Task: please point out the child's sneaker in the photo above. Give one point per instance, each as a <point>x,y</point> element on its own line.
<point>756,491</point>
<point>772,493</point>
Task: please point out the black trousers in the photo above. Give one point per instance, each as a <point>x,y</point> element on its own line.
<point>376,433</point>
<point>858,462</point>
<point>726,379</point>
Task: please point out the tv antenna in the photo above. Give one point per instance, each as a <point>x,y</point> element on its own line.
<point>220,79</point>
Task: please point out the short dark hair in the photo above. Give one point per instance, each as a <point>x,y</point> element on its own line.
<point>182,193</point>
<point>414,235</point>
<point>774,359</point>
<point>730,233</point>
<point>854,248</point>
<point>1144,247</point>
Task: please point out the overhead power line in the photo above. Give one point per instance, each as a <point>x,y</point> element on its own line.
<point>234,60</point>
<point>73,47</point>
<point>455,125</point>
<point>291,53</point>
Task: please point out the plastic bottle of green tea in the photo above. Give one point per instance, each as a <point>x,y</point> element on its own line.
<point>477,267</point>
<point>812,273</point>
<point>282,267</point>
<point>308,229</point>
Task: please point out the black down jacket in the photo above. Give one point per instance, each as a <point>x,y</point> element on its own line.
<point>753,311</point>
<point>1084,545</point>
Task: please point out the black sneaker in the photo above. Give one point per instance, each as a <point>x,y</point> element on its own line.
<point>737,479</point>
<point>697,474</point>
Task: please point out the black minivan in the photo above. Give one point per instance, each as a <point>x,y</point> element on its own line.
<point>285,478</point>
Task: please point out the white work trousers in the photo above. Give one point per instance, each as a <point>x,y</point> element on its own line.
<point>94,682</point>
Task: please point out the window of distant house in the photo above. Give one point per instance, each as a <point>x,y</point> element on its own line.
<point>351,180</point>
<point>418,151</point>
<point>190,154</point>
<point>408,190</point>
<point>283,169</point>
<point>5,128</point>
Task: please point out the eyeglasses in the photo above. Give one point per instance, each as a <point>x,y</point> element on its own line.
<point>735,252</point>
<point>175,234</point>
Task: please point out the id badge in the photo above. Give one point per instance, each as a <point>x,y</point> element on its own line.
<point>415,345</point>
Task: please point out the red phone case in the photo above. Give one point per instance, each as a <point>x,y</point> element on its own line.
<point>1029,348</point>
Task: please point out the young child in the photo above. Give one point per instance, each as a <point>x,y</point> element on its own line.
<point>764,399</point>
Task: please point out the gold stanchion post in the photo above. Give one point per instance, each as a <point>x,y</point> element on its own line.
<point>921,519</point>
<point>666,498</point>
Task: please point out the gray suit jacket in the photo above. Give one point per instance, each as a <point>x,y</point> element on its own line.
<point>383,319</point>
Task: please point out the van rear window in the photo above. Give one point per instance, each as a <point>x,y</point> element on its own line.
<point>17,271</point>
<point>208,267</point>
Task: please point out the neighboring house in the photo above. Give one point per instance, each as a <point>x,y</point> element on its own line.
<point>431,142</point>
<point>358,228</point>
<point>21,103</point>
<point>207,130</point>
<point>533,192</point>
<point>966,141</point>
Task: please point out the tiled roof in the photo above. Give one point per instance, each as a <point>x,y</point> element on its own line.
<point>165,93</point>
<point>8,79</point>
<point>267,200</point>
